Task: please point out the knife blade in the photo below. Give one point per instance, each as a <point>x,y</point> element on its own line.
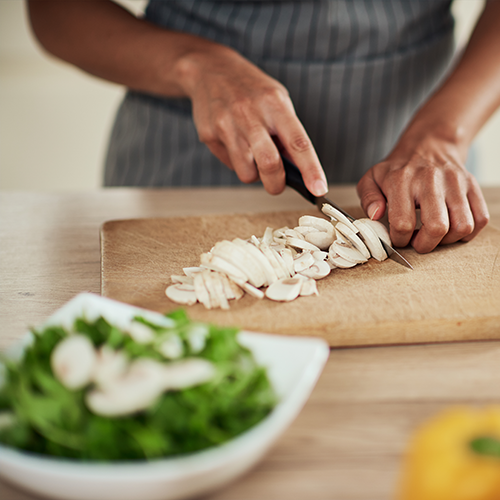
<point>295,181</point>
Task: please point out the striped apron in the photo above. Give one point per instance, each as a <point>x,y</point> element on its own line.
<point>356,71</point>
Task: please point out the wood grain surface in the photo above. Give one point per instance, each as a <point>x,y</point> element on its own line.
<point>348,441</point>
<point>453,293</point>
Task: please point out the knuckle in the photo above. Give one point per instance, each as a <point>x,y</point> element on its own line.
<point>300,144</point>
<point>482,220</point>
<point>403,226</point>
<point>437,228</point>
<point>464,229</point>
<point>268,162</point>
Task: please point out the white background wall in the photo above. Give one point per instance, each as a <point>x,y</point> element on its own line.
<point>55,120</point>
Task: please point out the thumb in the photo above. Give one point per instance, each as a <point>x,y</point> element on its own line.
<point>372,199</point>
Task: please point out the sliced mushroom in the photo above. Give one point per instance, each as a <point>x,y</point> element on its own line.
<point>343,247</point>
<point>321,239</point>
<point>338,216</point>
<point>201,291</point>
<point>304,261</point>
<point>301,244</point>
<point>182,280</point>
<point>191,271</point>
<point>371,240</point>
<point>316,222</point>
<point>287,256</point>
<point>259,257</point>
<point>250,289</point>
<point>284,290</point>
<point>319,270</point>
<point>133,392</point>
<point>171,346</point>
<point>221,265</point>
<point>338,261</point>
<point>110,365</point>
<point>180,295</point>
<point>309,287</point>
<point>270,255</point>
<point>348,233</point>
<point>380,230</point>
<point>73,360</point>
<point>188,372</point>
<point>142,333</point>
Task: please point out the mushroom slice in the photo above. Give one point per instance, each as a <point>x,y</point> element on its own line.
<point>186,373</point>
<point>221,265</point>
<point>254,240</point>
<point>201,291</point>
<point>171,346</point>
<point>321,239</point>
<point>272,258</point>
<point>268,236</point>
<point>380,230</point>
<point>191,271</point>
<point>345,250</point>
<point>282,263</point>
<point>243,260</point>
<point>338,216</point>
<point>317,271</point>
<point>259,257</point>
<point>231,290</point>
<point>353,238</point>
<point>338,261</point>
<point>136,390</point>
<point>142,333</point>
<point>287,256</point>
<point>306,229</point>
<point>110,365</point>
<point>72,361</point>
<point>308,287</point>
<point>212,290</point>
<point>177,293</point>
<point>291,233</point>
<point>371,240</point>
<point>321,255</point>
<point>304,261</point>
<point>301,244</point>
<point>316,222</point>
<point>250,289</point>
<point>216,289</point>
<point>284,290</point>
<point>183,280</point>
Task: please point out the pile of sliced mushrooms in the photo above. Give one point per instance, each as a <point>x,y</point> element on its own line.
<point>281,265</point>
<point>119,386</point>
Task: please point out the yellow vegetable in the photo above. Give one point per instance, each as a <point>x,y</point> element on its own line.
<point>454,456</point>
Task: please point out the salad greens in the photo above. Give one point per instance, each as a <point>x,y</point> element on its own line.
<point>47,418</point>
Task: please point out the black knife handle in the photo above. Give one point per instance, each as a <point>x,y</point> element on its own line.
<point>293,178</point>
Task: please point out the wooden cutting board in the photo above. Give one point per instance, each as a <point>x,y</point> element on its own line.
<point>452,294</point>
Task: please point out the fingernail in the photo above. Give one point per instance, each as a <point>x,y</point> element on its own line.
<point>319,188</point>
<point>372,210</point>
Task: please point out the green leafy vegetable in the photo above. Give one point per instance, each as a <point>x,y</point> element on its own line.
<point>50,419</point>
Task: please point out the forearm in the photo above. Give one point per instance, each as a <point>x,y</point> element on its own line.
<point>107,41</point>
<point>469,96</point>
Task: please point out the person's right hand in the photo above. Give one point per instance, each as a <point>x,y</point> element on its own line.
<point>238,110</point>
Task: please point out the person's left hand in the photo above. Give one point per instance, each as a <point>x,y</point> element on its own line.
<point>428,174</point>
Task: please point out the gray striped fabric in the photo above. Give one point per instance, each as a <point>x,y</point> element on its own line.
<point>356,71</point>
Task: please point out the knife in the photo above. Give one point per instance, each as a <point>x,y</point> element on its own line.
<point>295,181</point>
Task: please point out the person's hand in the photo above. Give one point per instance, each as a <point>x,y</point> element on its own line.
<point>428,174</point>
<point>240,113</point>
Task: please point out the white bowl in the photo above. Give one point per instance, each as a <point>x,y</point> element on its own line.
<point>294,365</point>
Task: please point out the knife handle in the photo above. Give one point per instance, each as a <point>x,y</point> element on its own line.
<point>293,178</point>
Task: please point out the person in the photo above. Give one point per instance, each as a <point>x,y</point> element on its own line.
<point>366,89</point>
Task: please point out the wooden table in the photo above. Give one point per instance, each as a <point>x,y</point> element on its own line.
<point>348,441</point>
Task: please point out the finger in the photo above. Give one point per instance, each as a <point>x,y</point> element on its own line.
<point>299,147</point>
<point>435,220</point>
<point>372,199</point>
<point>240,156</point>
<point>461,220</point>
<point>401,210</point>
<point>479,210</point>
<point>268,161</point>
